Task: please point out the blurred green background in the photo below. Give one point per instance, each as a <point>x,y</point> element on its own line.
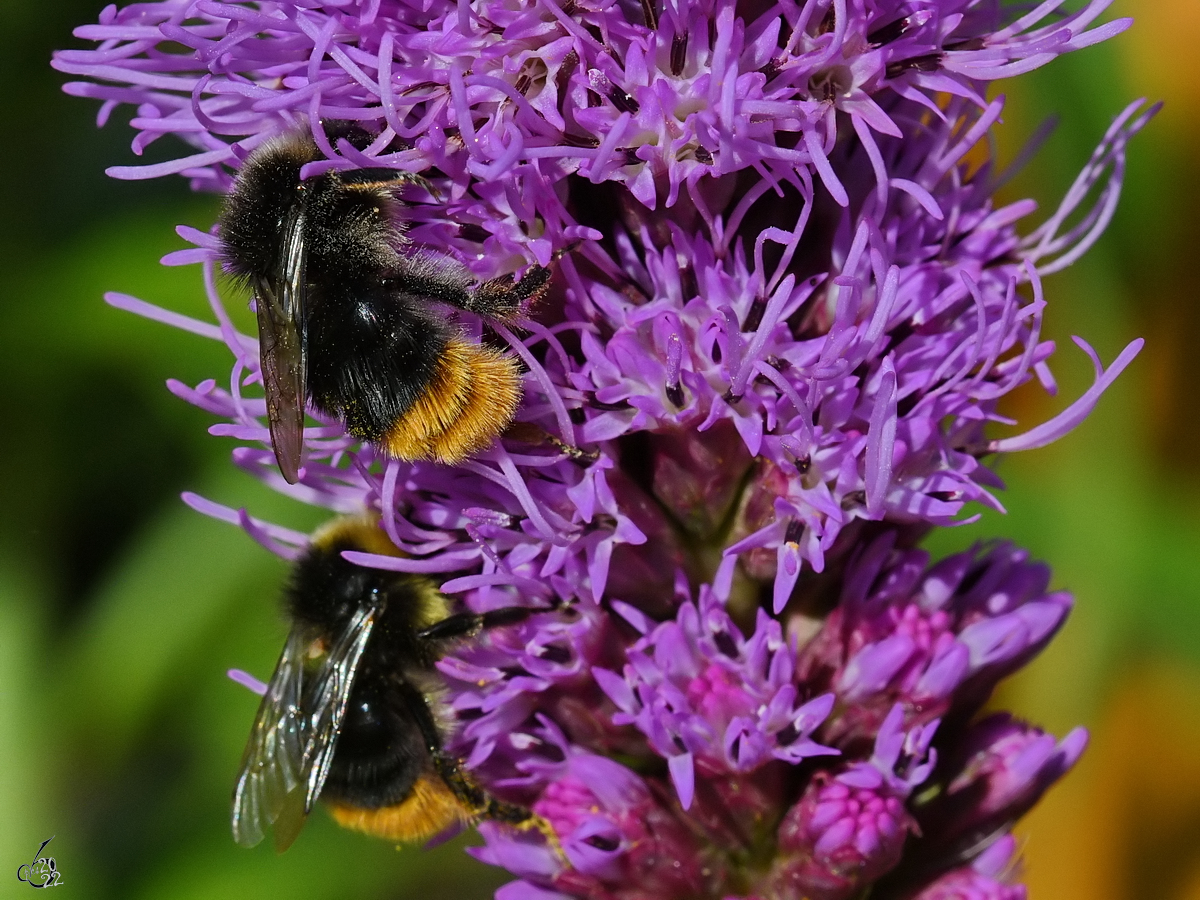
<point>121,609</point>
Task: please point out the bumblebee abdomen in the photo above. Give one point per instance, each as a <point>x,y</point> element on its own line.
<point>371,356</point>
<point>471,398</point>
<point>429,809</point>
<point>381,750</point>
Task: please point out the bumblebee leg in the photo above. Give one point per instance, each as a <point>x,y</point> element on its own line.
<point>575,454</point>
<point>500,298</point>
<point>467,624</point>
<point>483,805</point>
<point>373,179</point>
<point>477,802</point>
<point>529,433</point>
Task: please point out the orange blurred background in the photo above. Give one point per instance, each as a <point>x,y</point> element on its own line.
<point>1115,507</point>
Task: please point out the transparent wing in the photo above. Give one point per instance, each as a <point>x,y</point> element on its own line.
<point>295,733</point>
<point>326,697</point>
<point>270,776</point>
<point>283,347</point>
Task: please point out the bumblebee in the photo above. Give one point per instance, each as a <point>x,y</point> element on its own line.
<point>346,309</point>
<point>352,713</point>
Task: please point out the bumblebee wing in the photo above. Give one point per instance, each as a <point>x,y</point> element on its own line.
<point>283,346</point>
<point>327,697</point>
<point>270,775</point>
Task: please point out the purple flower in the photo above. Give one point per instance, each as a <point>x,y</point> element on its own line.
<point>858,355</point>
<point>707,698</point>
<point>619,836</point>
<point>784,314</point>
<point>851,823</point>
<point>999,770</point>
<point>986,878</point>
<point>928,638</point>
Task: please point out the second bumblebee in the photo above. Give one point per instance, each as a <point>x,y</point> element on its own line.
<point>353,714</point>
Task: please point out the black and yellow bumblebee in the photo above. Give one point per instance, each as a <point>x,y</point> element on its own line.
<point>347,309</point>
<point>353,714</point>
